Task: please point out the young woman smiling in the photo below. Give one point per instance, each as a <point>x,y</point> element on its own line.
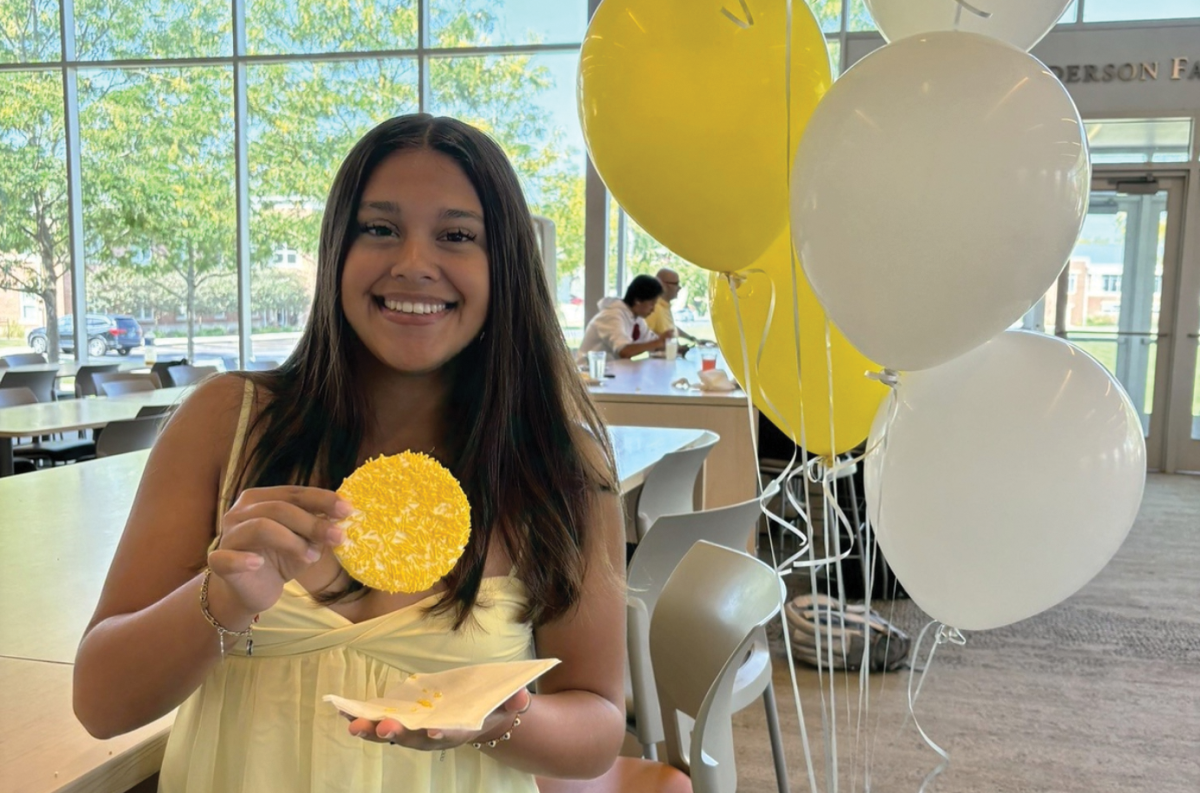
<point>432,330</point>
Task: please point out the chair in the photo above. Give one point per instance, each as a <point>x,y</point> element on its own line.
<point>104,379</point>
<point>22,359</point>
<point>262,366</point>
<point>156,411</point>
<point>128,435</point>
<point>190,375</point>
<point>707,630</point>
<point>670,484</point>
<point>162,369</point>
<point>40,383</point>
<point>13,397</point>
<point>85,385</point>
<point>122,387</point>
<point>665,545</point>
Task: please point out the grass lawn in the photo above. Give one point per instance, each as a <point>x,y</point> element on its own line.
<point>1106,353</point>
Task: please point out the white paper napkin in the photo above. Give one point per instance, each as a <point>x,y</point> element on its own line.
<point>716,380</point>
<point>457,699</point>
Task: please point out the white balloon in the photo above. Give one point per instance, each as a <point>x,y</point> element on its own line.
<point>1007,479</point>
<point>1021,23</point>
<point>937,192</point>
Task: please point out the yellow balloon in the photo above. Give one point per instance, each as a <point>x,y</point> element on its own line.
<point>776,389</point>
<point>684,110</point>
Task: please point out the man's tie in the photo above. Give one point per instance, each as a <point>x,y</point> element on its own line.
<point>637,331</point>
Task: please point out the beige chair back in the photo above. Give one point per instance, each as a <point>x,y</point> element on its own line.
<point>122,387</point>
<point>40,383</point>
<point>670,484</point>
<point>12,397</point>
<point>102,379</point>
<point>129,435</point>
<point>85,383</point>
<point>190,375</point>
<point>712,610</point>
<point>22,359</point>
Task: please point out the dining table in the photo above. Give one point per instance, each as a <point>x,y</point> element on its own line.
<point>657,392</point>
<point>71,415</point>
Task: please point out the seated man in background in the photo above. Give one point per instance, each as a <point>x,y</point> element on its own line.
<point>620,328</point>
<point>662,320</point>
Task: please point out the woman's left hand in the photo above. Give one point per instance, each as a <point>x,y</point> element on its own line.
<point>391,731</point>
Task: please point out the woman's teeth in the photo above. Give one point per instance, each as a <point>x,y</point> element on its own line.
<point>405,307</point>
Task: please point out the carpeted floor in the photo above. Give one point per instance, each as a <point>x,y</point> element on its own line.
<point>1101,693</point>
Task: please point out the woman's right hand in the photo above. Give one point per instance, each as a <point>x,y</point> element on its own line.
<point>268,537</point>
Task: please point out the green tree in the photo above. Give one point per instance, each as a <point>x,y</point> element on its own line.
<point>34,252</point>
<point>158,176</point>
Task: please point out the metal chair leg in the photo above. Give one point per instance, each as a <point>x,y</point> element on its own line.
<point>781,773</point>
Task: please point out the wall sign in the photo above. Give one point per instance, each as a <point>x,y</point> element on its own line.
<point>1173,69</point>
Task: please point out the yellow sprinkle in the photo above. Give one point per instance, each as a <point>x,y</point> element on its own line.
<point>410,525</point>
<point>424,703</point>
<point>437,695</point>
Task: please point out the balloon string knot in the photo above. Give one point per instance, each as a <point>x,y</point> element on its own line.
<point>948,635</point>
<point>889,377</point>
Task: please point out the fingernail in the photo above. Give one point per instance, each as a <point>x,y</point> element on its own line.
<point>435,734</point>
<point>335,536</point>
<point>389,736</point>
<point>342,509</point>
<point>312,554</point>
<point>254,562</point>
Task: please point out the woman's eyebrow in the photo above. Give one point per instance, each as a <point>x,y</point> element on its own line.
<point>393,208</point>
<point>383,206</point>
<point>461,213</point>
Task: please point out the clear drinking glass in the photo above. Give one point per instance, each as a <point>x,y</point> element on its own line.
<point>596,360</point>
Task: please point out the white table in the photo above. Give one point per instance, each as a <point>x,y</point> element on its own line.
<point>69,415</point>
<point>59,529</point>
<point>70,367</point>
<point>641,394</point>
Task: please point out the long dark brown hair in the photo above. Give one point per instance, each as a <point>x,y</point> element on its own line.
<point>518,412</point>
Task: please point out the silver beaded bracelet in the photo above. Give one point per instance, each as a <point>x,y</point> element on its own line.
<point>507,736</point>
<point>222,631</point>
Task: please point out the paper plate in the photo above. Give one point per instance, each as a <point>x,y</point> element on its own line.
<point>457,699</point>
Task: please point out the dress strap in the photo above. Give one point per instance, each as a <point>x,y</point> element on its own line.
<point>239,440</point>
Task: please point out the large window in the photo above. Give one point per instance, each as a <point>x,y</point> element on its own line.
<point>292,27</point>
<point>152,87</point>
<point>29,31</point>
<point>158,209</point>
<point>34,260</point>
<point>107,31</point>
<point>304,117</point>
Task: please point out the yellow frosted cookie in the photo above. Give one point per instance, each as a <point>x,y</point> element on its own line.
<point>410,524</point>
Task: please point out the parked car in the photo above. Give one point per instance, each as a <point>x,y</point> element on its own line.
<point>118,332</point>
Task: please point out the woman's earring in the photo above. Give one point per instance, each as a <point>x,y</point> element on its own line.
<point>482,335</point>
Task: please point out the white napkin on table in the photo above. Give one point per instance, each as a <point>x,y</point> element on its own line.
<point>716,380</point>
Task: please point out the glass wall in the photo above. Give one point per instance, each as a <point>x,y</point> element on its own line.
<point>34,258</point>
<point>304,117</point>
<point>151,85</point>
<point>159,222</point>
